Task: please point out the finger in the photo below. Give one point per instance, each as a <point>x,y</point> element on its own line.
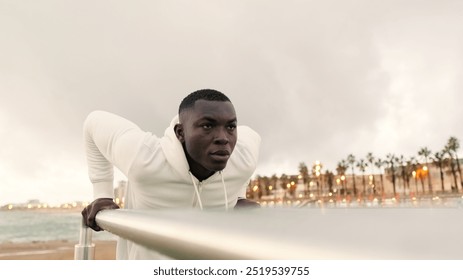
<point>86,217</point>
<point>84,213</point>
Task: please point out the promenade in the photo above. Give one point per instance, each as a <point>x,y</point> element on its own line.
<point>53,250</point>
<point>371,201</point>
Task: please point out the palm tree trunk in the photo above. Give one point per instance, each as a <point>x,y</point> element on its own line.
<point>374,183</point>
<point>452,166</point>
<point>353,178</point>
<point>422,183</point>
<point>429,177</point>
<point>382,184</point>
<point>364,185</point>
<point>442,178</point>
<point>393,181</point>
<point>404,180</point>
<point>459,171</point>
<point>416,185</point>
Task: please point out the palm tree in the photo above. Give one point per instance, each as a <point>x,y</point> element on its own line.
<point>317,173</point>
<point>284,183</point>
<point>439,158</point>
<point>341,169</point>
<point>274,181</point>
<point>391,158</point>
<point>266,183</point>
<point>362,164</point>
<point>259,183</point>
<point>292,184</point>
<point>304,172</point>
<point>425,152</point>
<point>421,176</point>
<point>400,162</point>
<point>453,145</point>
<point>379,163</point>
<point>371,163</point>
<point>412,165</point>
<point>351,161</point>
<point>452,167</point>
<point>329,176</point>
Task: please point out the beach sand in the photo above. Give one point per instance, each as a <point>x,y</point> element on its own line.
<point>53,250</point>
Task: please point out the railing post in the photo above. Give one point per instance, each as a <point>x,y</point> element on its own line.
<point>85,250</point>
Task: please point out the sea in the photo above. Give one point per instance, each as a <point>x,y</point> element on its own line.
<point>34,226</point>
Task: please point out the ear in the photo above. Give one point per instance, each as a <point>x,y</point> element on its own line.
<point>178,128</point>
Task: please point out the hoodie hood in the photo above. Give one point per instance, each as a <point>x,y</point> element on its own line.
<point>173,151</point>
<point>175,155</point>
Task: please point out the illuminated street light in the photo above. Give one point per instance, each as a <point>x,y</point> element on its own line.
<point>317,171</point>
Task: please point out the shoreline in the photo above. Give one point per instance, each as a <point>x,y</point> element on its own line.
<point>54,250</point>
<point>44,210</point>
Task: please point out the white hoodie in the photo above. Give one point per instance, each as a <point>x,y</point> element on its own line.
<point>158,172</point>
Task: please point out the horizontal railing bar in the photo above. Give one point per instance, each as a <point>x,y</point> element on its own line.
<point>396,233</point>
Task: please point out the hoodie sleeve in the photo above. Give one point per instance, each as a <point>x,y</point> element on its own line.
<point>109,141</point>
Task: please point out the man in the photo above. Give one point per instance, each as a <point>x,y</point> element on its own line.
<point>204,160</point>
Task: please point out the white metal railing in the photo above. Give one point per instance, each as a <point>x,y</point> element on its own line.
<point>85,250</point>
<point>381,233</point>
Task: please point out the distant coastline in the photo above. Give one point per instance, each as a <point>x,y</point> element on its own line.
<point>45,210</point>
<point>36,205</point>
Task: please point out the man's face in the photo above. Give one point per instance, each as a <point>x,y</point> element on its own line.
<point>208,134</point>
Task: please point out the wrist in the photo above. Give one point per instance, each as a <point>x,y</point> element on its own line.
<point>103,190</point>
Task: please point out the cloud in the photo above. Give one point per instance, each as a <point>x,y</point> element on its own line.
<point>317,80</point>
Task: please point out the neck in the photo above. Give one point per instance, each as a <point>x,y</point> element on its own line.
<point>200,173</point>
<point>197,170</point>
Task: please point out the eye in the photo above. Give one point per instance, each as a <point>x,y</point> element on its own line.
<point>206,126</point>
<point>231,127</point>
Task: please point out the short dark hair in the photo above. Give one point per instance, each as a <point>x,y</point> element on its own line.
<point>202,94</point>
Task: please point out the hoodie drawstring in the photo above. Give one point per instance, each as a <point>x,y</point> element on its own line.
<point>224,191</point>
<point>199,196</point>
<point>196,191</point>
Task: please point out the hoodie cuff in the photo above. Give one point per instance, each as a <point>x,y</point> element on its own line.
<point>103,190</point>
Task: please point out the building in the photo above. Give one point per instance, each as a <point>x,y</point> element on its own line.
<point>119,193</point>
<point>424,180</point>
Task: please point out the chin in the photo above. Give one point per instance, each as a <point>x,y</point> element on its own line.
<point>218,167</point>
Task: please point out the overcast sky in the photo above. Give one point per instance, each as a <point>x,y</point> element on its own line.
<point>317,79</point>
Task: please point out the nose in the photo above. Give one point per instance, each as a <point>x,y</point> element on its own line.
<point>221,137</point>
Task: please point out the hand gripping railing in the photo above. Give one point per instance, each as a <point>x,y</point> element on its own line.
<point>373,233</point>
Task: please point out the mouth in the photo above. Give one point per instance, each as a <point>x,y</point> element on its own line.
<point>220,155</point>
